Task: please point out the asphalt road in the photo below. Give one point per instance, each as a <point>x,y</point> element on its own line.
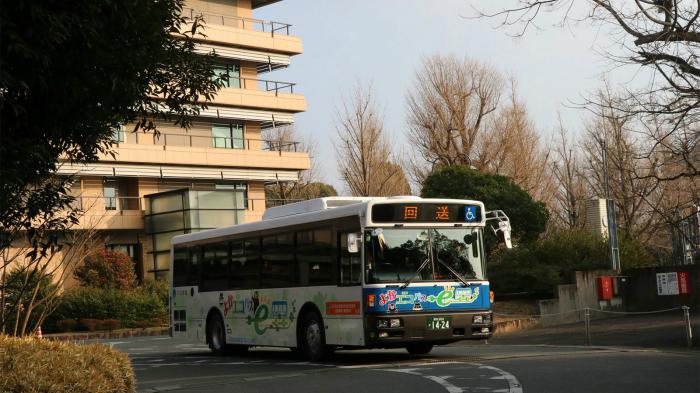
<point>163,364</point>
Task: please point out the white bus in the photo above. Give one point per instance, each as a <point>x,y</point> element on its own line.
<point>337,273</point>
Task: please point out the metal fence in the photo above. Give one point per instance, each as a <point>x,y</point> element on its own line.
<point>189,140</point>
<point>271,27</point>
<point>678,321</point>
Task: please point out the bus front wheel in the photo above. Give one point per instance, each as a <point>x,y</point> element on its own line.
<point>419,348</point>
<point>313,338</point>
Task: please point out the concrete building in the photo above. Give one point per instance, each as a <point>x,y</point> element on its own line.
<point>213,174</point>
<point>597,217</point>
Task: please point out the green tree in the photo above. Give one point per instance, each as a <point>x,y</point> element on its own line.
<point>70,72</point>
<point>528,217</point>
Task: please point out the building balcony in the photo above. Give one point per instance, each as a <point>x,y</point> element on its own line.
<point>261,94</point>
<point>191,149</point>
<point>245,32</point>
<point>127,213</point>
<point>110,213</point>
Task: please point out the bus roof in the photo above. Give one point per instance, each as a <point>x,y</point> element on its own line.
<point>310,211</point>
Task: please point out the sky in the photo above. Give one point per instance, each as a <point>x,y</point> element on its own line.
<point>381,42</point>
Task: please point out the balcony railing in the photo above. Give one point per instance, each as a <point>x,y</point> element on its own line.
<point>169,139</point>
<point>240,22</point>
<point>100,203</point>
<point>86,203</point>
<point>266,85</point>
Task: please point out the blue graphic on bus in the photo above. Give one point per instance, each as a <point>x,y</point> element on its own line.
<point>427,298</point>
<point>470,213</point>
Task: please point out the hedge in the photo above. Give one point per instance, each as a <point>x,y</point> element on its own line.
<point>132,308</point>
<point>35,365</point>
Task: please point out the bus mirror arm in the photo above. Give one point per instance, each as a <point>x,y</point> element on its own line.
<point>502,225</point>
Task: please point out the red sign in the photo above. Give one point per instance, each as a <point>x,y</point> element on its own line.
<point>683,283</point>
<point>605,291</point>
<point>343,308</point>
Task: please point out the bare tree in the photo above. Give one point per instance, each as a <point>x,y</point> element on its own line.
<point>447,109</point>
<point>645,204</point>
<point>572,191</point>
<point>510,145</point>
<point>31,282</point>
<point>363,150</point>
<point>457,117</point>
<point>662,36</point>
<point>309,185</point>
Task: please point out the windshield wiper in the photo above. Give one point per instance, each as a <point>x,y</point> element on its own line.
<point>421,267</point>
<point>454,272</point>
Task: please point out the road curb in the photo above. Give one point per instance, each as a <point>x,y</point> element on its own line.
<point>120,333</point>
<point>514,325</point>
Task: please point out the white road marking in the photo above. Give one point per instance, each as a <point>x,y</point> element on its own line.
<point>440,380</point>
<point>445,383</point>
<point>273,377</point>
<point>514,385</point>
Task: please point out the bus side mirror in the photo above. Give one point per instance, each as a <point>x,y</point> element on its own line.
<point>503,225</point>
<point>505,228</point>
<point>354,240</point>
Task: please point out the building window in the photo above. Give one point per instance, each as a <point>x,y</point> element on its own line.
<point>110,194</point>
<point>230,74</point>
<point>227,136</point>
<point>118,134</point>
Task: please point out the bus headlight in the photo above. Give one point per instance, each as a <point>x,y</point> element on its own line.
<point>382,323</point>
<point>478,319</point>
<point>395,322</point>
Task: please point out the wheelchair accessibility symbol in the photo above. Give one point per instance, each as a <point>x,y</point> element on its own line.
<point>470,215</point>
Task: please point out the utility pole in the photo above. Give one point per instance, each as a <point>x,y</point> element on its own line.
<point>610,207</point>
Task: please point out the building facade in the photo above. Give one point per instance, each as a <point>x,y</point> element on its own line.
<point>214,173</point>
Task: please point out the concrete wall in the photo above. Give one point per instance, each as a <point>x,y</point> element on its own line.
<point>582,294</point>
<point>640,292</point>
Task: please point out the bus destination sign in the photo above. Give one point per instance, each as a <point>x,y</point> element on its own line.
<point>425,212</point>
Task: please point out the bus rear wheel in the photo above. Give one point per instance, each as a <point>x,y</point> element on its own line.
<point>313,338</point>
<point>419,348</point>
<point>216,336</point>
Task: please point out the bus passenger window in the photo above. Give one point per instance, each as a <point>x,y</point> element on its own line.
<point>315,257</point>
<point>180,266</point>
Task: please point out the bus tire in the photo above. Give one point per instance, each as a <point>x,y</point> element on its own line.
<point>216,335</point>
<point>313,338</point>
<point>419,348</point>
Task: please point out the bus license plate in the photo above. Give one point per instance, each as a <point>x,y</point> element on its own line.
<point>438,323</point>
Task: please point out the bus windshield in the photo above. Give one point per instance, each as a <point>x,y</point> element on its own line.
<point>397,255</point>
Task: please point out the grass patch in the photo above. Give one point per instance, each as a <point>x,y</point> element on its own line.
<point>34,365</point>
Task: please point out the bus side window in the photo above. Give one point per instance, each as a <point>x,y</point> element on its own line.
<point>215,267</point>
<point>194,259</point>
<point>245,267</point>
<point>180,266</point>
<point>314,257</point>
<point>350,264</point>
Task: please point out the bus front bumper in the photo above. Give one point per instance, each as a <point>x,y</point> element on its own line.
<point>388,330</point>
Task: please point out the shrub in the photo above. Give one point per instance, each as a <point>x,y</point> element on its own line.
<point>103,304</point>
<point>110,324</point>
<point>540,266</point>
<point>66,325</point>
<point>90,324</point>
<point>18,294</point>
<point>31,365</point>
<point>159,288</point>
<point>107,269</point>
